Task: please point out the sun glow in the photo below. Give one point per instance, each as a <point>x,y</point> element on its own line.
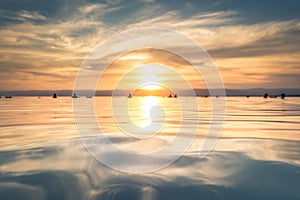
<point>151,87</point>
<point>152,90</point>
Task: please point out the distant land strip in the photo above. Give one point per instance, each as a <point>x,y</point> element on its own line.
<point>295,92</point>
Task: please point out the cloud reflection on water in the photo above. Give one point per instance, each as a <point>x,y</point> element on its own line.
<point>58,171</point>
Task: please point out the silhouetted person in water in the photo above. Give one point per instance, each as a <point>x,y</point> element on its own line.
<point>266,95</point>
<point>175,96</point>
<point>170,96</point>
<point>283,95</point>
<point>54,96</point>
<point>247,96</point>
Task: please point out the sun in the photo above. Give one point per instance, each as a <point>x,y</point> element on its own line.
<point>151,87</point>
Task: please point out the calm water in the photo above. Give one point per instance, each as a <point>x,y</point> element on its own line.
<point>256,157</point>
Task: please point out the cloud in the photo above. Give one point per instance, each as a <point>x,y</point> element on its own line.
<point>222,31</point>
<point>239,49</point>
<point>95,10</point>
<point>33,15</point>
<point>149,1</point>
<point>87,9</point>
<point>42,43</point>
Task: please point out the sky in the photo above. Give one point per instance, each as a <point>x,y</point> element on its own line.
<point>254,43</point>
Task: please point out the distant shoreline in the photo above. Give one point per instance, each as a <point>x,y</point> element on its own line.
<point>278,97</point>
<point>256,92</point>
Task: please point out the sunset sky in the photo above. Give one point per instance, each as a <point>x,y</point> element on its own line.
<point>255,44</point>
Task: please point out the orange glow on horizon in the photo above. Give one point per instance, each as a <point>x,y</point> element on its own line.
<point>152,90</point>
<point>157,69</point>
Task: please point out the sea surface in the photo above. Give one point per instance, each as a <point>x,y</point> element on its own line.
<point>257,155</point>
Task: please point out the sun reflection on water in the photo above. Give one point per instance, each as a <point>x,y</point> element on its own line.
<point>147,112</point>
